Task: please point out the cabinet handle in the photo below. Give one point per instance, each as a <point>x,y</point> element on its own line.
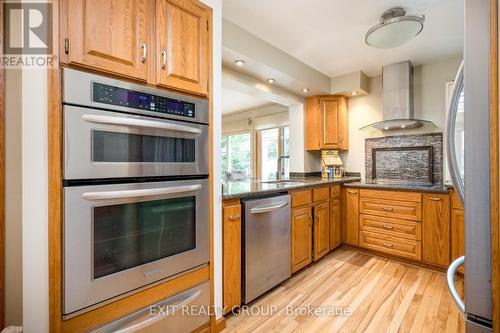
<point>144,52</point>
<point>311,221</point>
<point>163,58</point>
<point>435,199</point>
<point>388,245</point>
<point>352,192</point>
<point>388,209</point>
<point>388,227</point>
<point>234,217</point>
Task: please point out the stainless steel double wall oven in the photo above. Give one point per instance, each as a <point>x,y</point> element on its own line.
<point>135,187</point>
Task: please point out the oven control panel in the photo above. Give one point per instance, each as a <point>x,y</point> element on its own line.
<point>103,93</point>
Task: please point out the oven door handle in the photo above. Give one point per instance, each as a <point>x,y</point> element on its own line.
<point>110,195</point>
<point>99,119</point>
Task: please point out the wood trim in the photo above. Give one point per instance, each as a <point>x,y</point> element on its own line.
<point>124,306</point>
<point>220,325</point>
<point>494,164</point>
<point>2,180</point>
<point>54,123</point>
<point>210,94</point>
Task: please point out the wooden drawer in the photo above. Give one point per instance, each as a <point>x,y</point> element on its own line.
<point>389,208</point>
<point>321,194</point>
<point>334,191</point>
<point>391,227</point>
<point>301,198</point>
<point>391,195</point>
<point>391,245</point>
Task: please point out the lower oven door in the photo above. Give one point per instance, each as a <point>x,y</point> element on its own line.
<point>105,144</point>
<point>181,313</point>
<point>118,238</point>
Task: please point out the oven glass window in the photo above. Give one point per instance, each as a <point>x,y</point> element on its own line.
<point>126,147</point>
<point>131,234</point>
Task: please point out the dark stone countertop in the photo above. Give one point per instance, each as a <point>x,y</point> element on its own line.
<point>400,187</point>
<point>254,188</point>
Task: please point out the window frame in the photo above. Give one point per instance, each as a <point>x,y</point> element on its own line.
<point>252,159</point>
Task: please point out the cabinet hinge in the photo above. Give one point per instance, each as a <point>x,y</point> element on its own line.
<point>66,45</point>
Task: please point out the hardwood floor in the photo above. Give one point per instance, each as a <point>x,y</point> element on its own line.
<point>376,294</point>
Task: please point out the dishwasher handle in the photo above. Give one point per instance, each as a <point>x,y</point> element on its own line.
<point>268,208</point>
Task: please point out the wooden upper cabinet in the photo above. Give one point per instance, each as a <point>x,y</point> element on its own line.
<point>436,229</point>
<point>182,45</point>
<point>321,229</point>
<point>111,36</point>
<point>326,124</point>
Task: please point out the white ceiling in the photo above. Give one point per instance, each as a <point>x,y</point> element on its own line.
<point>233,101</point>
<point>329,35</point>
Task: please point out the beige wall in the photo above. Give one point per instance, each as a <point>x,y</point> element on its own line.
<point>429,104</point>
<point>13,208</point>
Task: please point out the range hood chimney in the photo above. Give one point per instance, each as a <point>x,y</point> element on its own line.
<point>397,84</point>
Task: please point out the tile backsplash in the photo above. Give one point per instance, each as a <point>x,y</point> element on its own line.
<point>405,158</point>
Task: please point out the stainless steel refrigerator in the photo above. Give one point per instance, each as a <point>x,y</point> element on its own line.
<point>469,163</point>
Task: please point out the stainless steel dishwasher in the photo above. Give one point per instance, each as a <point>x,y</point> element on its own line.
<point>266,243</point>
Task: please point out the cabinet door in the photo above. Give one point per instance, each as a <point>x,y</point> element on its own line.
<point>436,229</point>
<point>457,235</point>
<point>321,230</point>
<point>110,36</point>
<point>351,217</point>
<point>182,42</point>
<point>231,256</point>
<point>329,110</point>
<point>334,224</point>
<point>301,238</point>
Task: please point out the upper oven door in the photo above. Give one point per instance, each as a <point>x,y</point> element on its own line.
<point>121,237</point>
<point>103,144</point>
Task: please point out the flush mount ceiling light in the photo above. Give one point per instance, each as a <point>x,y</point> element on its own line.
<point>239,62</point>
<point>394,29</point>
<point>305,90</point>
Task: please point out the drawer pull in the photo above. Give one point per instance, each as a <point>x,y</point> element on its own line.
<point>352,192</point>
<point>435,199</point>
<point>388,209</point>
<point>234,217</point>
<point>388,245</point>
<point>388,227</point>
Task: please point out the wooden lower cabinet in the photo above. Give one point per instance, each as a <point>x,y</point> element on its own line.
<point>457,235</point>
<point>436,229</point>
<point>335,216</point>
<point>301,238</point>
<point>351,212</point>
<point>321,234</point>
<point>231,254</point>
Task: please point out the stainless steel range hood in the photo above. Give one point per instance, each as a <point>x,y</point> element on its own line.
<point>397,84</point>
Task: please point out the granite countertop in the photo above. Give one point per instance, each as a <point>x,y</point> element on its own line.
<point>254,187</point>
<point>400,187</point>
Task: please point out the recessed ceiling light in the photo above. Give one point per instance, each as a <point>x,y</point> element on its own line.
<point>386,128</point>
<point>403,126</point>
<point>270,81</point>
<point>354,93</point>
<point>239,62</point>
<point>305,90</point>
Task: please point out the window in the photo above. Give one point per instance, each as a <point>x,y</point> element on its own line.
<point>273,148</point>
<point>236,151</point>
